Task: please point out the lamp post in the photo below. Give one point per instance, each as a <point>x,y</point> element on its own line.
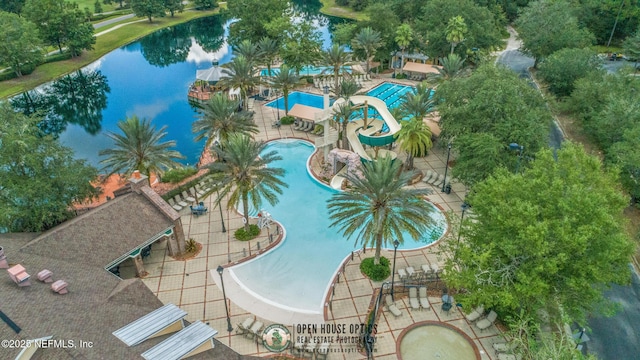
<point>464,207</point>
<point>393,272</point>
<point>520,148</point>
<point>224,229</point>
<point>446,167</point>
<point>220,269</point>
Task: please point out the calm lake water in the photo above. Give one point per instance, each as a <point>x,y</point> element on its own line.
<point>148,78</point>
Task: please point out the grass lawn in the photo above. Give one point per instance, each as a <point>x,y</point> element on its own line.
<point>104,44</point>
<point>90,4</point>
<point>329,7</point>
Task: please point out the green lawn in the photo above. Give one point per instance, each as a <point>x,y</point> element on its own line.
<point>90,4</point>
<point>329,7</point>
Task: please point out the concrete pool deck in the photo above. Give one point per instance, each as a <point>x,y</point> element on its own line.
<point>190,284</point>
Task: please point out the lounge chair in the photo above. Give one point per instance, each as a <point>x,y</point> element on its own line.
<point>504,347</point>
<point>435,268</point>
<point>475,314</point>
<point>488,321</point>
<point>424,301</point>
<point>502,356</point>
<point>438,182</point>
<point>276,124</point>
<point>179,201</point>
<point>391,306</point>
<point>323,351</point>
<point>204,186</point>
<point>413,298</point>
<point>411,271</point>
<point>310,348</point>
<point>187,197</point>
<point>298,346</point>
<point>428,176</point>
<point>173,204</point>
<point>243,328</point>
<point>310,126</point>
<point>199,190</point>
<point>193,192</point>
<point>256,329</point>
<point>402,274</point>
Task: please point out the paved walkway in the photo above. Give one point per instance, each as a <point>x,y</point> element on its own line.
<point>193,286</point>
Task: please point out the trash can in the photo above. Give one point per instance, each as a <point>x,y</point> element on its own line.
<point>447,189</point>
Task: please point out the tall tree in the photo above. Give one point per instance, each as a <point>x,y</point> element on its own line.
<point>546,26</point>
<point>285,80</point>
<point>139,146</point>
<point>552,237</point>
<point>269,48</point>
<point>415,139</point>
<point>205,4</point>
<point>61,24</point>
<point>258,18</point>
<point>12,6</point>
<point>417,105</point>
<point>483,28</point>
<point>148,8</point>
<point>368,40</point>
<point>249,50</point>
<point>220,119</point>
<point>632,47</point>
<point>564,67</point>
<point>241,74</point>
<point>484,113</point>
<point>173,6</point>
<point>343,114</point>
<point>404,37</point>
<point>19,43</point>
<point>452,67</point>
<point>384,20</point>
<point>626,155</point>
<point>39,178</point>
<point>302,45</point>
<point>249,176</point>
<point>337,59</point>
<point>456,31</point>
<point>379,207</point>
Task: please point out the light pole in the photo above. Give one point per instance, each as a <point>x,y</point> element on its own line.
<point>220,269</point>
<point>520,148</point>
<point>224,229</point>
<point>393,272</point>
<point>446,167</point>
<point>464,207</point>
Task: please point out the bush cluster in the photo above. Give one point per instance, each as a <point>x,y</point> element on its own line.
<point>176,175</point>
<point>375,272</point>
<point>242,235</point>
<point>287,120</point>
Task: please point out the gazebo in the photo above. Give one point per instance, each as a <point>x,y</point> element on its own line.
<point>205,83</point>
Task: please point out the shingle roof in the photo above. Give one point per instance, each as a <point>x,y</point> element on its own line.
<point>104,233</point>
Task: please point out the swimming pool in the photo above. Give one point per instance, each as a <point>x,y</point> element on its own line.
<point>307,70</point>
<point>298,97</point>
<point>296,274</point>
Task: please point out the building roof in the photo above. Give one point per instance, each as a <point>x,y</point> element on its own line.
<point>104,233</point>
<point>421,68</point>
<point>98,302</point>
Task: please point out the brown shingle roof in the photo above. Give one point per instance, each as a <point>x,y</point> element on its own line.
<point>103,234</point>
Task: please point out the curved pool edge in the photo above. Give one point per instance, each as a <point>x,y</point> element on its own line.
<point>459,331</point>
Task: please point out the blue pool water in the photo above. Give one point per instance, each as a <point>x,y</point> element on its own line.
<point>298,97</point>
<point>297,273</point>
<point>307,70</point>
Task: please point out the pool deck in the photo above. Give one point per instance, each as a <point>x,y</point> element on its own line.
<point>190,284</point>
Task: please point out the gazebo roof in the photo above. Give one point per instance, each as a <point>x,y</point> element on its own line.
<point>421,68</point>
<point>213,74</point>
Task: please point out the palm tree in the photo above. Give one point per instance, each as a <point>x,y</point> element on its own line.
<point>415,139</point>
<point>404,37</point>
<point>241,75</point>
<point>139,147</point>
<point>285,80</point>
<point>249,50</point>
<point>247,176</point>
<point>269,49</point>
<point>379,208</point>
<point>452,67</point>
<point>219,119</point>
<point>369,41</point>
<point>343,114</point>
<point>347,89</point>
<point>417,104</point>
<point>456,30</point>
<point>337,58</point>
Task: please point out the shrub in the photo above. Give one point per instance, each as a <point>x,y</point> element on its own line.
<point>375,272</point>
<point>564,67</point>
<point>401,76</point>
<point>191,246</point>
<point>287,120</point>
<point>176,175</point>
<point>242,235</point>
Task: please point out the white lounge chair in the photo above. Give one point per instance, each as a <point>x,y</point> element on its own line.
<point>475,314</point>
<point>413,298</point>
<point>488,321</point>
<point>199,190</point>
<point>323,351</point>
<point>411,271</point>
<point>428,176</point>
<point>173,204</point>
<point>422,296</point>
<point>245,326</point>
<point>179,201</point>
<point>187,197</point>
<point>391,306</point>
<point>402,274</point>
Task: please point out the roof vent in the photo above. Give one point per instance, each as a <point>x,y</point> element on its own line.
<point>60,287</point>
<point>45,276</point>
<point>3,260</point>
<point>19,275</point>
